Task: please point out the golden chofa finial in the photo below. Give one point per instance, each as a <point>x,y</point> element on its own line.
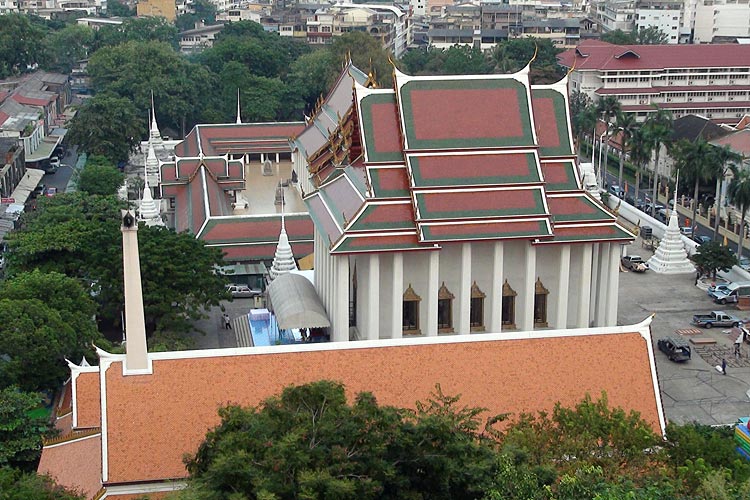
<point>573,67</point>
<point>536,51</point>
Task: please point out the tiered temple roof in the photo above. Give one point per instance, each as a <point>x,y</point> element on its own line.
<point>453,158</point>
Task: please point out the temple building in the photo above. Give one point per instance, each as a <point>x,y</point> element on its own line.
<point>452,204</point>
<point>469,218</point>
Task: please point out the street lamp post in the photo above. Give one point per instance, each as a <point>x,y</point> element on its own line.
<point>599,165</point>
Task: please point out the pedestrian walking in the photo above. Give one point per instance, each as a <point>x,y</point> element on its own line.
<point>723,366</point>
<point>227,323</point>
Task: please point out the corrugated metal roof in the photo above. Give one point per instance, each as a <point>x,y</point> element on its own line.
<point>296,304</point>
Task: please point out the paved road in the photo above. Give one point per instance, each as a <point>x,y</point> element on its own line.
<point>691,391</point>
<point>60,179</point>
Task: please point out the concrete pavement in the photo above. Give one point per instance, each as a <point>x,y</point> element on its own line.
<point>694,390</point>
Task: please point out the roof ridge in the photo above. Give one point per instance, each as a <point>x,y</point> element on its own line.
<point>72,436</point>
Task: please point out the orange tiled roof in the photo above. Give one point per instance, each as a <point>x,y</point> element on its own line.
<point>87,400</point>
<point>77,464</point>
<point>170,411</point>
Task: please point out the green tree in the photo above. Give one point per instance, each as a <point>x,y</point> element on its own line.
<point>713,256</point>
<point>694,161</point>
<point>513,55</point>
<point>21,431</point>
<point>310,77</point>
<point>116,8</point>
<point>724,158</point>
<point>311,443</point>
<point>100,178</point>
<point>618,37</point>
<point>658,127</point>
<point>133,70</point>
<point>16,485</point>
<point>22,42</point>
<point>107,125</point>
<point>367,54</point>
<point>651,35</point>
<point>201,11</point>
<point>137,29</point>
<point>640,154</point>
<point>582,116</point>
<point>607,108</point>
<point>262,98</point>
<point>624,123</point>
<point>66,46</point>
<point>79,235</point>
<point>739,193</point>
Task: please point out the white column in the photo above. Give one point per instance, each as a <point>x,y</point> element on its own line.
<point>463,326</point>
<point>594,295</point>
<point>277,157</point>
<point>526,306</point>
<point>584,289</point>
<point>601,304</point>
<point>397,296</point>
<point>262,158</point>
<point>496,294</point>
<point>136,350</point>
<point>431,301</point>
<point>563,282</point>
<point>373,297</point>
<point>614,283</point>
<point>341,291</point>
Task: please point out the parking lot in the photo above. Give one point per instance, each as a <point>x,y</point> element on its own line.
<point>694,390</point>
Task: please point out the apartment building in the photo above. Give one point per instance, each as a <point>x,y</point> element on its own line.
<point>720,18</point>
<point>387,23</point>
<point>708,80</point>
<point>199,38</point>
<point>615,14</point>
<point>664,15</point>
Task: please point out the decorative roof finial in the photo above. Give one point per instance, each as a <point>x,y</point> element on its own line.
<point>154,134</point>
<point>283,259</point>
<point>239,117</point>
<point>536,51</point>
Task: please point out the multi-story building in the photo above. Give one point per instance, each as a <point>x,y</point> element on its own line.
<point>709,80</point>
<point>616,14</point>
<point>199,38</point>
<point>388,24</point>
<point>12,166</point>
<point>720,18</point>
<point>664,15</point>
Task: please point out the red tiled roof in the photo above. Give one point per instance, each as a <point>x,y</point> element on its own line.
<point>605,56</point>
<point>88,406</point>
<point>3,117</point>
<point>473,169</point>
<point>738,141</point>
<point>502,375</point>
<point>77,464</point>
<point>32,101</point>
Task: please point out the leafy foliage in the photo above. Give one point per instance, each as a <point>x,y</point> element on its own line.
<point>644,36</point>
<point>16,485</point>
<point>202,11</point>
<point>20,433</point>
<point>116,8</point>
<point>66,46</point>
<point>100,176</point>
<point>712,257</point>
<point>22,40</point>
<point>513,55</point>
<point>108,126</point>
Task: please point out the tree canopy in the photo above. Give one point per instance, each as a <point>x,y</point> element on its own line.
<point>310,442</point>
<point>100,176</point>
<point>21,431</point>
<point>712,257</point>
<point>22,40</point>
<point>644,36</point>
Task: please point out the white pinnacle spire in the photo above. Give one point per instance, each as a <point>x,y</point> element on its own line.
<point>154,134</point>
<point>239,117</point>
<point>283,259</point>
<point>152,165</point>
<point>149,210</point>
<point>670,257</point>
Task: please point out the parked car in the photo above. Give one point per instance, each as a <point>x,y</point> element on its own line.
<point>687,231</point>
<point>51,191</point>
<point>700,240</point>
<point>634,263</point>
<point>616,190</point>
<point>716,318</point>
<point>242,291</point>
<point>39,190</point>
<point>720,288</point>
<point>744,263</point>
<point>675,348</point>
<point>733,293</point>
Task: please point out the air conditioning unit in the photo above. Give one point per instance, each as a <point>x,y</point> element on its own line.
<point>669,99</point>
<point>710,81</point>
<point>690,82</point>
<point>731,82</point>
<point>710,98</point>
<point>731,98</point>
<point>690,99</point>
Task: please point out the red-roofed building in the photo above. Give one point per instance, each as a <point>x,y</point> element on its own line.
<point>452,204</point>
<point>709,80</point>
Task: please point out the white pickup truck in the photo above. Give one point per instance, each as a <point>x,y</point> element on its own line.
<point>716,318</point>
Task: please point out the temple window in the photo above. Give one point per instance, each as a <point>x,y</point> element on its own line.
<point>476,312</point>
<point>509,307</point>
<point>540,304</point>
<point>445,310</point>
<point>411,312</point>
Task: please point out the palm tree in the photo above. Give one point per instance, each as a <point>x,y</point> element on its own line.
<point>659,126</point>
<point>640,152</point>
<point>693,160</point>
<point>724,159</point>
<point>739,193</point>
<point>607,108</point>
<point>583,121</point>
<point>625,123</point>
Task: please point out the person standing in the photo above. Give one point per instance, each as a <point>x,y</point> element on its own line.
<point>723,366</point>
<point>227,322</point>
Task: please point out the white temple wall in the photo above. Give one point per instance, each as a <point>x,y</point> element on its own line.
<point>548,271</point>
<point>482,255</point>
<point>416,274</point>
<point>574,297</point>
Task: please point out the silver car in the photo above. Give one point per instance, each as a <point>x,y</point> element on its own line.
<point>242,291</point>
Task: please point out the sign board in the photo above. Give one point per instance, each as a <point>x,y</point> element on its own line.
<point>7,200</point>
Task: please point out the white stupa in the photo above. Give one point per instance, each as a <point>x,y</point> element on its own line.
<point>152,166</point>
<point>283,259</point>
<point>154,136</point>
<point>670,257</point>
<point>149,209</point>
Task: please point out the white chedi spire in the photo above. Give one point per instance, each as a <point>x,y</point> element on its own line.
<point>670,257</point>
<point>154,136</point>
<point>239,116</point>
<point>149,210</point>
<point>152,165</point>
<point>283,259</point>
